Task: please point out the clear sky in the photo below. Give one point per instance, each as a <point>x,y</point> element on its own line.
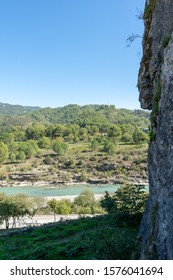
<point>59,52</point>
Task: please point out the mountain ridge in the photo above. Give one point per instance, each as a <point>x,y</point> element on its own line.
<point>6,108</point>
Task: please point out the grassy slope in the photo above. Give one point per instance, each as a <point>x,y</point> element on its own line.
<point>85,238</point>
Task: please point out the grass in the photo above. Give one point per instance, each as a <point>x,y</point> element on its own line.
<point>82,239</point>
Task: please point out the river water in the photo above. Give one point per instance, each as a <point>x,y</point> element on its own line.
<point>50,190</point>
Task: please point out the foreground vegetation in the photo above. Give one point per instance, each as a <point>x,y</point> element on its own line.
<point>86,238</point>
<point>110,236</point>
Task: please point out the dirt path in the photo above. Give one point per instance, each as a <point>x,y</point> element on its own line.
<point>41,219</point>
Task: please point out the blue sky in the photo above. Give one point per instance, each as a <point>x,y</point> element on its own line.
<point>59,52</point>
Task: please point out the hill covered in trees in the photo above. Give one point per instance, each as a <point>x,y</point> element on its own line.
<point>89,114</point>
<point>8,109</point>
<point>71,114</point>
<point>74,144</point>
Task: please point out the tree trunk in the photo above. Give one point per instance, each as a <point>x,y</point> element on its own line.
<point>7,224</point>
<point>54,216</point>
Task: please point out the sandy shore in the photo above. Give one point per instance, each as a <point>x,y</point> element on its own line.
<point>72,197</point>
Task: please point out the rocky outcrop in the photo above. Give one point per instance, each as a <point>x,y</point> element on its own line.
<point>156,93</point>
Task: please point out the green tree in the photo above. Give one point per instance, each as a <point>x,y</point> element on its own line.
<point>52,203</point>
<point>128,198</point>
<point>109,148</point>
<point>5,209</point>
<point>127,137</point>
<point>84,203</point>
<point>35,131</point>
<point>12,157</point>
<point>44,143</point>
<point>19,133</point>
<point>34,204</point>
<point>139,136</point>
<point>3,152</point>
<point>59,148</point>
<point>19,204</point>
<point>29,147</point>
<point>94,144</point>
<point>115,132</point>
<point>7,138</point>
<point>63,207</point>
<point>83,177</point>
<point>21,156</point>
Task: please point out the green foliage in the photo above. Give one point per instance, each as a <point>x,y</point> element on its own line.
<point>3,152</point>
<point>115,132</point>
<point>29,147</point>
<point>111,244</point>
<point>63,207</point>
<point>149,9</point>
<point>109,148</point>
<point>94,144</point>
<point>82,239</point>
<point>127,137</point>
<point>7,138</point>
<point>21,156</point>
<point>35,132</point>
<point>52,203</point>
<point>18,205</point>
<point>85,203</point>
<point>12,157</point>
<point>8,109</point>
<point>155,110</point>
<point>35,204</point>
<point>128,203</point>
<point>60,148</point>
<point>139,136</point>
<point>83,177</point>
<point>44,143</point>
<point>166,41</point>
<point>92,116</point>
<point>108,203</point>
<point>92,134</point>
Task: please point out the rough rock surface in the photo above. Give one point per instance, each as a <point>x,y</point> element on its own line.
<point>155,84</point>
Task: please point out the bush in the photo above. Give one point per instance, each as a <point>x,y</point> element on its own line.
<point>60,148</point>
<point>111,244</point>
<point>86,203</point>
<point>129,198</point>
<point>127,204</point>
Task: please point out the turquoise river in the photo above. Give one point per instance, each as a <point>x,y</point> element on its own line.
<point>51,190</point>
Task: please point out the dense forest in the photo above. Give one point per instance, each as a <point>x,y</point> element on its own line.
<point>71,114</point>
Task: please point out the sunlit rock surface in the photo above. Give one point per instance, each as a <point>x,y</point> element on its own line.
<point>155,85</point>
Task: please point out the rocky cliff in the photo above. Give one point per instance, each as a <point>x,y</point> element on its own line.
<point>156,93</point>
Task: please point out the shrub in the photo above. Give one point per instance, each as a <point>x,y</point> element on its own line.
<point>111,244</point>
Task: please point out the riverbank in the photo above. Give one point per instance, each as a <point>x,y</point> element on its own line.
<point>82,165</point>
<point>56,184</point>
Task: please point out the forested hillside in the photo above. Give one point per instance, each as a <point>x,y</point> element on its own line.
<point>73,144</point>
<point>72,114</point>
<point>90,114</point>
<point>8,109</point>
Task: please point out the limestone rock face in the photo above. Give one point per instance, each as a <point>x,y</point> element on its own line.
<point>155,85</point>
